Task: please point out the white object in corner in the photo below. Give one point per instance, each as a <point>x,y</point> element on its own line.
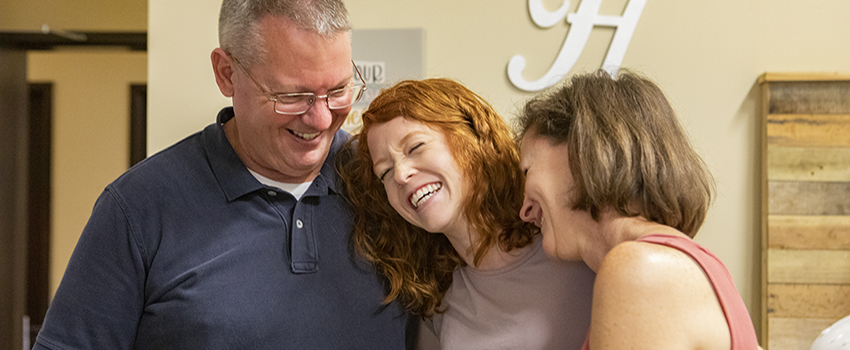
<point>836,337</point>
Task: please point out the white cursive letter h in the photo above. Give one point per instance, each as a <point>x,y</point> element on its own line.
<point>581,24</point>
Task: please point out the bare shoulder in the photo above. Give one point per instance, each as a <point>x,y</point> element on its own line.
<point>647,293</point>
<point>653,272</point>
<point>636,262</point>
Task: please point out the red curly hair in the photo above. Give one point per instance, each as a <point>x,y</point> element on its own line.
<point>418,264</point>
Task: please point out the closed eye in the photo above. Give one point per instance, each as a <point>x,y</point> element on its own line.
<point>340,91</point>
<point>420,144</point>
<point>383,175</point>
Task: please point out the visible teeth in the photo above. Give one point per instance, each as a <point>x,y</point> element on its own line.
<point>304,135</point>
<point>423,194</point>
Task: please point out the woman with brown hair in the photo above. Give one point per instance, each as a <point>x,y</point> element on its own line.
<point>611,179</point>
<point>435,184</point>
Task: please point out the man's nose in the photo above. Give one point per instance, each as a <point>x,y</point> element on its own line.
<point>319,116</point>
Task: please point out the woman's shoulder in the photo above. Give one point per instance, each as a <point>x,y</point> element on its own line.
<point>640,262</point>
<point>654,288</point>
<point>658,271</point>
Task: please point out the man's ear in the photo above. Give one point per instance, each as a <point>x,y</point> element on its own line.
<point>223,69</point>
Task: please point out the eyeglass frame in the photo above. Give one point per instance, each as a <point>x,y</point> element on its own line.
<point>272,96</point>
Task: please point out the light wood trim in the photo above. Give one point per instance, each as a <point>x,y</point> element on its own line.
<point>808,130</point>
<point>809,266</point>
<point>764,325</point>
<point>809,300</point>
<point>809,232</point>
<point>801,76</point>
<point>796,333</point>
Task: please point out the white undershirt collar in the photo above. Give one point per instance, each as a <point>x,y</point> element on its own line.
<point>297,190</point>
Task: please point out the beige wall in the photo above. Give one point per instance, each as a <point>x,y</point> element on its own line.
<point>90,134</point>
<point>91,105</point>
<point>706,55</point>
<point>89,15</point>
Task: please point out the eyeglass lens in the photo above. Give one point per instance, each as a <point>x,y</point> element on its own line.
<point>302,102</point>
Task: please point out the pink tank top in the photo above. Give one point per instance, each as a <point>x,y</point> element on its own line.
<point>741,328</point>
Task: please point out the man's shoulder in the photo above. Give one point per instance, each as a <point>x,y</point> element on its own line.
<point>173,164</point>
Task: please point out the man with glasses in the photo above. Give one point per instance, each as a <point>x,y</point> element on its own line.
<point>237,237</point>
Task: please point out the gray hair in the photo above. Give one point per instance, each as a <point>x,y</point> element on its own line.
<point>239,22</point>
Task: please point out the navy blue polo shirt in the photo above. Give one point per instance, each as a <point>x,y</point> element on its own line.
<point>187,250</point>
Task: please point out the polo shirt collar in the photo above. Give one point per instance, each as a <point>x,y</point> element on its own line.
<point>233,176</point>
<point>328,174</point>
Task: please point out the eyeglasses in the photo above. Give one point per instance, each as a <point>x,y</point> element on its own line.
<point>301,102</point>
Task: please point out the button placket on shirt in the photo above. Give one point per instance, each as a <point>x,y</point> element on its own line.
<point>304,251</point>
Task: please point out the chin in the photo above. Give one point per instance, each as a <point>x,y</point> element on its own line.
<point>313,157</point>
<point>550,249</point>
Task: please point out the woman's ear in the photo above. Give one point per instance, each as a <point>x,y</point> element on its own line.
<point>223,69</point>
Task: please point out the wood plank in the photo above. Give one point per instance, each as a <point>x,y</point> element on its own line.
<point>810,97</point>
<point>808,130</point>
<point>795,333</point>
<point>808,266</point>
<point>809,232</point>
<point>802,76</point>
<point>808,163</point>
<point>808,300</point>
<point>808,198</point>
<point>761,323</point>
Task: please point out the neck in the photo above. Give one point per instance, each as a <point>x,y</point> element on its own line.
<point>614,229</point>
<point>494,258</point>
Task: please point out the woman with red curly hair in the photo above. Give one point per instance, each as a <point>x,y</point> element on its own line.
<point>436,187</point>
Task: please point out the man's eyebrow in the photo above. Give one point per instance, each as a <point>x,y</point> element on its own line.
<point>278,88</point>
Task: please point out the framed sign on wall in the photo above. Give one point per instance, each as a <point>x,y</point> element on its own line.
<point>384,56</point>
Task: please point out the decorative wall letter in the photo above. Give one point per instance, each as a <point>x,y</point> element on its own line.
<point>581,23</point>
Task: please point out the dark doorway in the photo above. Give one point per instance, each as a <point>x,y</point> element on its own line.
<point>25,141</point>
<point>138,123</point>
<point>38,189</point>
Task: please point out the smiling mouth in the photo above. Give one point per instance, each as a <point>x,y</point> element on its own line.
<point>424,193</point>
<point>305,136</point>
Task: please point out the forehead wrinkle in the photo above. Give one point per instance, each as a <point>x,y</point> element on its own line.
<point>397,147</point>
<point>277,88</point>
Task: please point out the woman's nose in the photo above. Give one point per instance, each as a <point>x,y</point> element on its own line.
<point>530,210</point>
<point>403,172</point>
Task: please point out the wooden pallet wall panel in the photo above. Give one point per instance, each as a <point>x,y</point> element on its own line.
<point>805,207</point>
<point>808,198</point>
<point>808,266</point>
<point>816,97</point>
<point>808,163</point>
<point>809,232</point>
<point>809,301</point>
<point>794,333</point>
<point>808,130</point>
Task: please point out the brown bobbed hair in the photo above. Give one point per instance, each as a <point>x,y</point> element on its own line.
<point>419,264</point>
<point>626,148</point>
